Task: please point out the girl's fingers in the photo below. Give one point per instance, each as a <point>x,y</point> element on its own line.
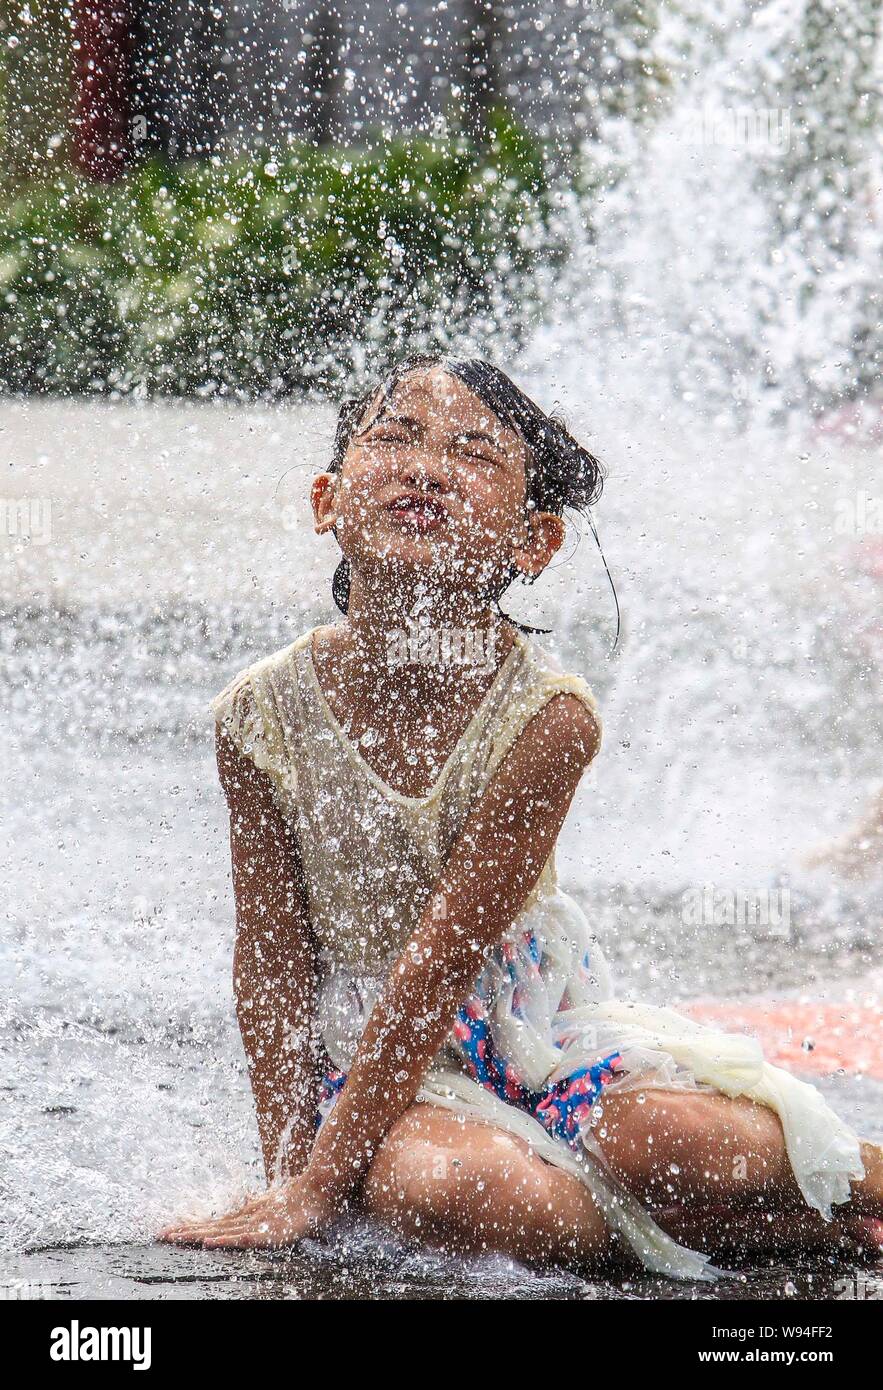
<point>217,1223</point>
<point>213,1228</point>
<point>245,1222</point>
<point>246,1234</point>
<point>271,1233</point>
<point>248,1228</point>
<point>247,1208</point>
<point>252,1239</point>
<point>197,1232</point>
<point>221,1230</point>
<point>190,1236</point>
<point>176,1232</point>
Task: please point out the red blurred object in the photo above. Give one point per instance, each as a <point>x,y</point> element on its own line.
<point>804,1036</point>
<point>102,35</point>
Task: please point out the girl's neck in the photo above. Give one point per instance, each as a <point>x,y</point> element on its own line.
<point>375,613</point>
<point>374,675</point>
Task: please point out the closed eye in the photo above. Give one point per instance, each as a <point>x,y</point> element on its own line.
<point>477,438</point>
<point>380,436</point>
<point>388,439</point>
<point>482,458</point>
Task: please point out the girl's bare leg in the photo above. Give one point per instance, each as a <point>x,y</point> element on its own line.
<point>718,1164</point>
<point>698,1148</point>
<point>472,1188</point>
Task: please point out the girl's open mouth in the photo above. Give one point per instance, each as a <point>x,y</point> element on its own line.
<point>418,511</point>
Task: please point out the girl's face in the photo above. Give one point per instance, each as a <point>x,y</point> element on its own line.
<point>433,482</point>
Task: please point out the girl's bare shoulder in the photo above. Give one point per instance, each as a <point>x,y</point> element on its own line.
<point>558,705</point>
<point>255,674</point>
<point>546,677</point>
<point>248,713</point>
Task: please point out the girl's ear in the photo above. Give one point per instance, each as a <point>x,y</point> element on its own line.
<point>323,496</point>
<point>545,535</point>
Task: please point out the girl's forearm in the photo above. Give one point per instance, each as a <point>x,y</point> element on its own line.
<point>277,1029</point>
<point>483,886</point>
<point>274,962</point>
<point>285,1084</point>
<point>405,1031</point>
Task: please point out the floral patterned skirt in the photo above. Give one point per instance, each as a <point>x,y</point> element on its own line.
<point>562,1107</point>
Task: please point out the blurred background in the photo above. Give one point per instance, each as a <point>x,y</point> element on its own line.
<point>240,199</point>
<point>216,220</point>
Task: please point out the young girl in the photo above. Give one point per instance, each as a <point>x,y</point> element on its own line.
<point>410,980</point>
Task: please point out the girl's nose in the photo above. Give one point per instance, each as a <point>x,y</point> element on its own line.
<point>428,470</point>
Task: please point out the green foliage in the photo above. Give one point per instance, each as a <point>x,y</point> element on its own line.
<point>252,276</point>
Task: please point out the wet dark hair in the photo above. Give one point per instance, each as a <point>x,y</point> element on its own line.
<point>560,472</point>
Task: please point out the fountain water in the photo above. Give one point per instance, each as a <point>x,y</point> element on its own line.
<point>741,714</point>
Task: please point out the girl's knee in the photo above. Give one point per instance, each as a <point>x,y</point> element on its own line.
<point>423,1192</point>
<point>411,1172</point>
<point>487,1195</point>
<point>462,1190</point>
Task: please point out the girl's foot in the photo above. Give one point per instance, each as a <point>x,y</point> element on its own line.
<point>867,1233</point>
<point>728,1234</point>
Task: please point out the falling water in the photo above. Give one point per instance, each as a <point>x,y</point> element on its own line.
<point>741,709</point>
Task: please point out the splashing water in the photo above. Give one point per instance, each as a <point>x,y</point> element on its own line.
<point>741,715</point>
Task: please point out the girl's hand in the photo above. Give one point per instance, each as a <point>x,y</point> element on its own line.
<point>283,1215</point>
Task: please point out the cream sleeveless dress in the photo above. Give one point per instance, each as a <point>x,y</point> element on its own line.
<point>544,1000</point>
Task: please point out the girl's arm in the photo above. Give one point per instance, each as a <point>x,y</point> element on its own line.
<point>492,867</point>
<point>273,962</point>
